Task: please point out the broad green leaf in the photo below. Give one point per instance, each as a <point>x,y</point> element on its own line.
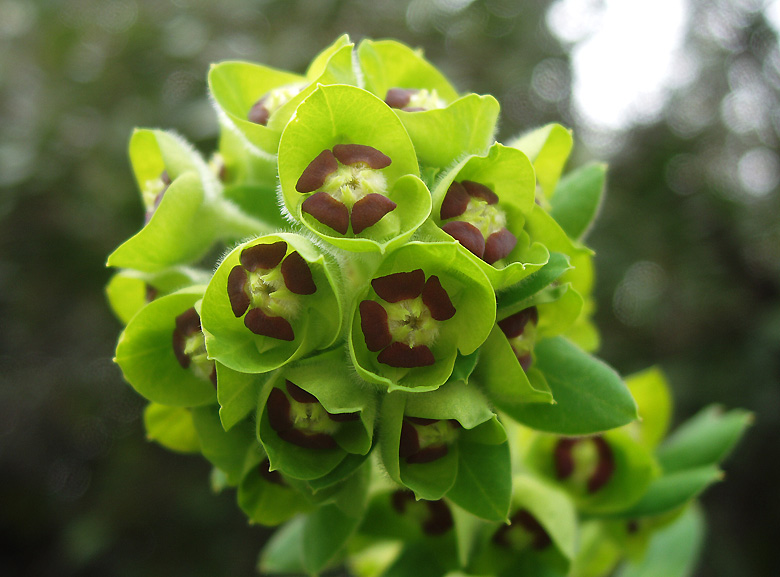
<point>673,490</point>
<point>577,198</point>
<point>548,148</point>
<point>673,551</point>
<point>456,400</point>
<point>433,480</point>
<point>651,392</point>
<point>146,356</point>
<point>226,450</point>
<point>503,379</point>
<point>590,397</point>
<point>484,482</point>
<point>705,439</point>
<point>172,427</point>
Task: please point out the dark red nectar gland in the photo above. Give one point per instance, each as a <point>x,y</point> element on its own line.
<point>474,219</point>
<point>299,418</point>
<point>348,188</point>
<point>426,440</point>
<point>266,287</point>
<point>405,326</point>
<point>586,463</point>
<point>189,346</point>
<point>520,331</point>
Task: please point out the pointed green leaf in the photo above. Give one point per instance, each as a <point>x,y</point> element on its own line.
<point>577,199</point>
<point>548,148</point>
<point>673,490</point>
<point>590,396</point>
<point>484,482</point>
<point>673,551</point>
<point>510,297</point>
<point>706,439</point>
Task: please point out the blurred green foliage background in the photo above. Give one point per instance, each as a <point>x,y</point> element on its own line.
<point>688,244</point>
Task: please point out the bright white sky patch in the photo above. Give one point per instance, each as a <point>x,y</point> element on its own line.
<point>624,55</point>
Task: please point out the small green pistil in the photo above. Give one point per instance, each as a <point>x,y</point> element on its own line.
<point>350,183</point>
<point>436,434</point>
<point>151,191</point>
<point>427,99</point>
<point>410,322</point>
<point>312,418</point>
<point>195,349</point>
<point>519,538</point>
<point>586,459</point>
<point>488,218</point>
<point>278,97</point>
<point>269,293</point>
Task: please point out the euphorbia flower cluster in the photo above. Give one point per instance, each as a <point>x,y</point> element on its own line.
<point>393,352</point>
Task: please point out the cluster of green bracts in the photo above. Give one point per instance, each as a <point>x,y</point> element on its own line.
<point>393,354</point>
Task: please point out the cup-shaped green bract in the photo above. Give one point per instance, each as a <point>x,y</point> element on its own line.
<point>315,423</point>
<point>162,353</point>
<point>483,202</point>
<point>171,427</point>
<point>425,303</point>
<point>255,101</point>
<point>349,172</point>
<point>185,209</point>
<point>448,442</point>
<point>272,300</point>
<point>603,473</point>
<point>541,538</point>
<point>129,291</point>
<point>443,126</point>
<point>548,148</point>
